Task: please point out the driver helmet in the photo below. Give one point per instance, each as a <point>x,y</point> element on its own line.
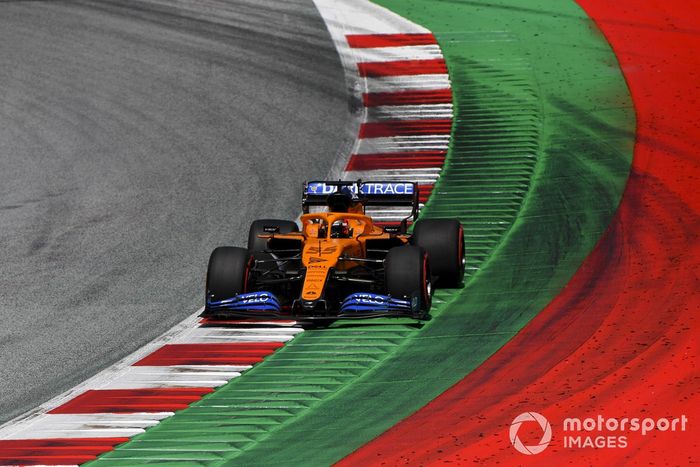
<point>340,229</point>
<point>341,200</point>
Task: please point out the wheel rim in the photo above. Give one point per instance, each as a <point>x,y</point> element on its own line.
<point>428,288</point>
<point>247,274</point>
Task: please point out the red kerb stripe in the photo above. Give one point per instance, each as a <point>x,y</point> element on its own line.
<point>59,442</point>
<point>55,451</point>
<point>45,460</point>
<point>405,128</point>
<point>396,160</point>
<point>402,67</point>
<point>360,41</point>
<point>132,400</point>
<point>210,354</point>
<point>434,96</point>
<point>424,192</point>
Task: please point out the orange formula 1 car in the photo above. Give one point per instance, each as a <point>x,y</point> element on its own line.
<point>340,264</point>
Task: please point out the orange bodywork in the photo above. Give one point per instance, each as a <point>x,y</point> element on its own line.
<point>321,251</point>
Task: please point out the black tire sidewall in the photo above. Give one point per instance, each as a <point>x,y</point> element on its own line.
<point>227,273</point>
<point>443,239</point>
<point>406,269</point>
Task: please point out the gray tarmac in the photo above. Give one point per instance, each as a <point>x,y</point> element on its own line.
<point>134,138</point>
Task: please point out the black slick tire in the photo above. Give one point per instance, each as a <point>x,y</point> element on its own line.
<point>227,274</point>
<point>407,275</point>
<point>443,239</point>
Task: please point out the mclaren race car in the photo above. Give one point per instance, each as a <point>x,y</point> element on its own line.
<point>340,264</point>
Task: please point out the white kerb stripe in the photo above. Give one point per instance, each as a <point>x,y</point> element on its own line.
<point>400,144</point>
<point>236,331</point>
<point>424,178</point>
<point>101,425</point>
<point>222,335</point>
<point>363,17</point>
<point>173,376</point>
<point>408,83</point>
<point>391,54</point>
<point>410,112</point>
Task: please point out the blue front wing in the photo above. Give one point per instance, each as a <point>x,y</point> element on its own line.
<point>254,301</point>
<point>355,305</point>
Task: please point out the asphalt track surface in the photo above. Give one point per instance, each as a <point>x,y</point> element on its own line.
<point>134,138</point>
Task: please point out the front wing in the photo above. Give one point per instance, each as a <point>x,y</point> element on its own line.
<point>265,305</point>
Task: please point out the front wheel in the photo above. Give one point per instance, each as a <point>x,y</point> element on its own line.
<point>227,274</point>
<point>407,275</point>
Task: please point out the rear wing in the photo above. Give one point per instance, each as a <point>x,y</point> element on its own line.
<point>375,193</point>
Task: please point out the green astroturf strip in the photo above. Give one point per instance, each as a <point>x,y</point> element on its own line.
<point>541,149</point>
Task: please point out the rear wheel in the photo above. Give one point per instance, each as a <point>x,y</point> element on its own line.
<point>407,275</point>
<point>227,274</point>
<point>267,226</point>
<point>443,239</point>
